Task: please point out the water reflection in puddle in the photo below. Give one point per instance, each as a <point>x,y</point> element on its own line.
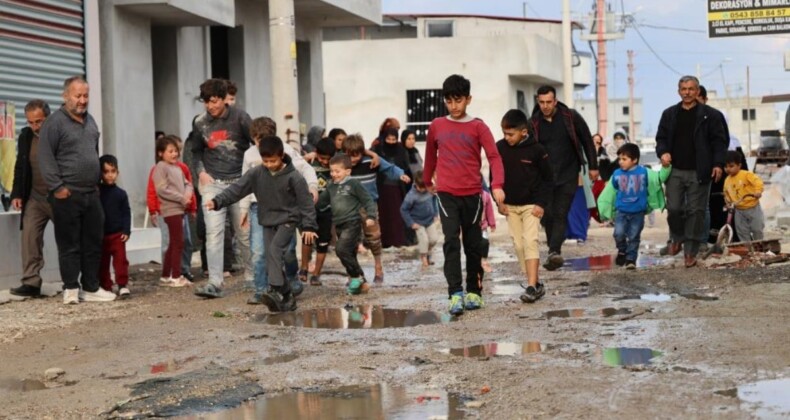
<point>580,313</point>
<point>627,356</point>
<point>357,317</point>
<point>283,358</point>
<point>497,349</point>
<point>349,402</point>
<point>657,297</point>
<point>606,262</point>
<point>170,365</point>
<point>23,385</point>
<point>767,399</point>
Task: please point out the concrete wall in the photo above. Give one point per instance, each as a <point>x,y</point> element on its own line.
<point>310,74</point>
<point>253,17</point>
<point>616,118</point>
<point>359,97</point>
<point>739,127</point>
<point>474,27</point>
<point>369,32</point>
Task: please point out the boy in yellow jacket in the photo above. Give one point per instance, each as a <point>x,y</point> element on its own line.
<point>744,189</point>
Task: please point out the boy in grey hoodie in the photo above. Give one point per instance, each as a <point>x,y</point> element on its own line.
<point>284,204</point>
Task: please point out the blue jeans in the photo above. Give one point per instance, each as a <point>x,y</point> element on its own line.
<point>627,232</point>
<point>258,248</point>
<point>186,255</point>
<point>215,234</point>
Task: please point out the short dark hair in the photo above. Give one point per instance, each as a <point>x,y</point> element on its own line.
<point>271,146</point>
<point>354,144</point>
<point>456,86</point>
<point>325,147</point>
<point>263,127</point>
<point>417,178</point>
<point>158,133</point>
<point>547,89</point>
<point>163,142</point>
<point>38,104</point>
<point>629,149</point>
<point>342,160</point>
<point>213,88</point>
<point>109,160</point>
<point>336,132</point>
<point>232,88</point>
<point>733,156</point>
<point>703,93</point>
<point>515,119</point>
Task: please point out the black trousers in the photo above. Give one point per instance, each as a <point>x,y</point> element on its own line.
<point>79,231</point>
<point>277,240</point>
<point>348,236</point>
<point>460,216</point>
<point>555,219</point>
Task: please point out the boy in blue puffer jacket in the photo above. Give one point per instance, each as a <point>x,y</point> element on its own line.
<point>419,211</point>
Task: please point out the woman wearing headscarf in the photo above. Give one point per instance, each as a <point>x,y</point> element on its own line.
<point>391,193</point>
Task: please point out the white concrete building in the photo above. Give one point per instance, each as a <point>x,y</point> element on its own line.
<point>619,116</point>
<point>764,116</point>
<point>145,60</point>
<point>397,70</point>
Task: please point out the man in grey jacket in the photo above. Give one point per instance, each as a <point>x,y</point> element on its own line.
<point>68,158</point>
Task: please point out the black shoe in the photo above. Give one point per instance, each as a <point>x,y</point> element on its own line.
<point>256,299</point>
<point>533,293</point>
<point>187,275</point>
<point>26,291</point>
<point>630,265</point>
<point>620,260</point>
<point>297,287</point>
<point>278,302</point>
<point>553,262</point>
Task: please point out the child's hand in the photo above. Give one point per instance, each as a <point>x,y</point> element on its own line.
<point>209,205</point>
<point>499,196</point>
<point>155,219</point>
<point>370,222</point>
<point>245,220</point>
<point>405,178</point>
<point>375,161</point>
<point>415,226</point>
<point>314,193</point>
<point>493,228</point>
<point>503,210</point>
<point>537,211</point>
<point>309,237</point>
<point>124,237</point>
<point>310,157</point>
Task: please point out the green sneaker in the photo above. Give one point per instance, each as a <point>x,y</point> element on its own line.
<point>473,301</point>
<point>457,304</point>
<point>355,286</point>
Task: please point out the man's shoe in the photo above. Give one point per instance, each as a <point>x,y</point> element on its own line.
<point>100,295</point>
<point>690,261</point>
<point>209,291</point>
<point>277,302</point>
<point>619,260</point>
<point>630,265</point>
<point>71,296</point>
<point>255,299</point>
<point>187,275</point>
<point>554,261</point>
<point>26,290</point>
<point>355,286</point>
<point>457,304</point>
<point>533,293</point>
<point>473,301</point>
<point>674,248</point>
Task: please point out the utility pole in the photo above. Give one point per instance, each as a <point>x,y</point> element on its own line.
<point>285,91</point>
<point>631,96</point>
<point>567,54</point>
<point>749,112</point>
<point>603,100</point>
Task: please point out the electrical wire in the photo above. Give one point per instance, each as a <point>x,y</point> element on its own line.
<point>650,47</point>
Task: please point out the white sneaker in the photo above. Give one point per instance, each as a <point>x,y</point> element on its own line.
<point>124,293</point>
<point>179,282</point>
<point>100,295</point>
<point>165,281</point>
<point>71,296</point>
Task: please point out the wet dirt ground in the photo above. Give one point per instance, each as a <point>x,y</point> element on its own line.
<point>604,342</point>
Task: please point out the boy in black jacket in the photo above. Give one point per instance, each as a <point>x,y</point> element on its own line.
<point>284,204</point>
<point>528,188</point>
<point>117,228</point>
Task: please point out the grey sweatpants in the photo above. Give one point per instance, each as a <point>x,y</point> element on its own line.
<point>749,223</point>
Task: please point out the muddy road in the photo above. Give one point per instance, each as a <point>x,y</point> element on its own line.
<point>662,341</point>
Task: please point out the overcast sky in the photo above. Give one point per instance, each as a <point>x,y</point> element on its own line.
<point>675,29</point>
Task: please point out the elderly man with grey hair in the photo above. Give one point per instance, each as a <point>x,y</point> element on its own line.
<point>69,162</point>
<point>690,137</point>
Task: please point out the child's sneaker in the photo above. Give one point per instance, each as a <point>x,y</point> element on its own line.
<point>355,286</point>
<point>209,291</point>
<point>630,265</point>
<point>619,260</point>
<point>179,282</point>
<point>473,301</point>
<point>71,296</point>
<point>553,262</point>
<point>533,293</point>
<point>165,281</point>
<point>124,293</point>
<point>100,295</point>
<point>278,302</point>
<point>457,304</point>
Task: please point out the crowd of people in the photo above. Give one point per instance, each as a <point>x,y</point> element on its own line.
<point>248,191</point>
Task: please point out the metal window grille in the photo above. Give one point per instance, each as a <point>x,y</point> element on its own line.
<point>422,107</point>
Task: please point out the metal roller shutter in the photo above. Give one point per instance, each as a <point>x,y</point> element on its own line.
<point>41,44</point>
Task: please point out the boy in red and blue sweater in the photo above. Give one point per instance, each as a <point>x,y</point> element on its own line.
<point>453,153</point>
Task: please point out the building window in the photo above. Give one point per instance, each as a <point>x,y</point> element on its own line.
<point>422,107</point>
<point>439,28</point>
<point>626,110</point>
<point>521,101</point>
<point>750,114</point>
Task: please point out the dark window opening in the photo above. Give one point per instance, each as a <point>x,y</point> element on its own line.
<point>422,107</point>
<point>440,29</point>
<point>220,59</point>
<point>749,114</point>
<point>626,110</point>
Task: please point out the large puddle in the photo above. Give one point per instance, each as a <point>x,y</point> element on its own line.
<point>606,262</point>
<point>767,399</point>
<point>497,349</point>
<point>581,313</point>
<point>349,402</point>
<point>628,356</point>
<point>356,317</point>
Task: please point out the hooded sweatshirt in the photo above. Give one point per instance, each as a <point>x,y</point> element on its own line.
<point>528,176</point>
